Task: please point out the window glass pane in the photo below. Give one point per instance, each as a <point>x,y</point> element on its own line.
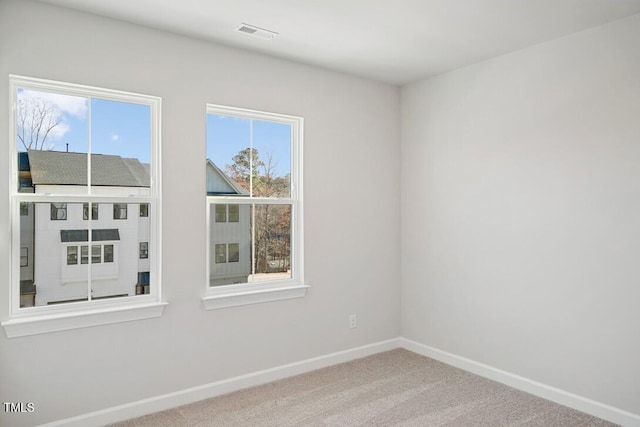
<point>221,253</point>
<point>96,254</point>
<point>228,155</point>
<point>253,154</point>
<point>144,210</point>
<point>272,243</point>
<point>108,253</point>
<point>53,273</point>
<point>234,213</point>
<point>120,146</point>
<point>94,211</point>
<point>24,257</point>
<point>119,211</point>
<point>53,128</point>
<point>72,255</point>
<point>221,213</point>
<point>272,149</point>
<point>58,211</point>
<point>234,252</point>
<point>257,248</point>
<point>84,254</point>
<point>144,250</point>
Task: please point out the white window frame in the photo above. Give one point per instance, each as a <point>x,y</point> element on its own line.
<point>224,296</point>
<point>51,318</point>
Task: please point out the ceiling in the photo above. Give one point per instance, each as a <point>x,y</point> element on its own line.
<point>394,41</point>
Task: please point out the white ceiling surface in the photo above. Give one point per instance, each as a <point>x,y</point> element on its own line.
<point>394,41</point>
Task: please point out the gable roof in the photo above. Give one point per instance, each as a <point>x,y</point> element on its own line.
<point>63,168</point>
<point>233,187</point>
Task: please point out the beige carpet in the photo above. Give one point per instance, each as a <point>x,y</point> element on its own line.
<point>395,388</point>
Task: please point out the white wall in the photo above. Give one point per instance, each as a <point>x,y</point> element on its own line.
<point>352,210</point>
<point>521,213</point>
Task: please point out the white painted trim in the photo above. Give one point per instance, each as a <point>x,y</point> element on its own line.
<point>33,325</point>
<point>206,391</point>
<point>544,391</point>
<point>256,296</point>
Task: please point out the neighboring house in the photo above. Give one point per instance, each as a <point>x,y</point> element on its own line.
<point>55,236</point>
<point>229,254</point>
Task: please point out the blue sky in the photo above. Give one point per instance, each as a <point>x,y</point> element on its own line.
<point>118,128</point>
<point>123,129</point>
<point>227,135</point>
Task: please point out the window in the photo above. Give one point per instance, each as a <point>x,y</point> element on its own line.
<point>58,211</point>
<point>234,252</point>
<point>119,211</point>
<point>144,250</point>
<point>60,177</point>
<point>254,199</point>
<point>85,211</point>
<point>108,253</point>
<point>72,255</point>
<point>221,213</point>
<point>24,257</point>
<point>221,253</point>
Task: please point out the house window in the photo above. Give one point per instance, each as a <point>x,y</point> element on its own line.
<point>85,211</point>
<point>254,199</point>
<point>72,255</point>
<point>221,253</point>
<point>84,254</point>
<point>24,257</point>
<point>234,252</point>
<point>24,209</point>
<point>144,250</point>
<point>108,253</point>
<point>234,213</point>
<point>119,211</point>
<point>64,173</point>
<point>58,211</point>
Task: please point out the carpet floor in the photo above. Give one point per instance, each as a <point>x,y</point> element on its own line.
<point>394,388</point>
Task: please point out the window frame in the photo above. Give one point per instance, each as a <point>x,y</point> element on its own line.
<point>223,296</point>
<point>51,318</point>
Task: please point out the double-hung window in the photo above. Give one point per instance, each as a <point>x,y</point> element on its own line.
<point>75,148</point>
<point>254,207</point>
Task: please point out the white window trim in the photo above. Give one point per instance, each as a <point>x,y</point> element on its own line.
<point>45,319</point>
<point>226,296</point>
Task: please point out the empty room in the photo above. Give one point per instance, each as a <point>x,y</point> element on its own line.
<point>277,213</point>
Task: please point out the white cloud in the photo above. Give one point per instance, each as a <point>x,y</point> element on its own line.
<point>66,104</point>
<point>115,137</point>
<point>60,108</point>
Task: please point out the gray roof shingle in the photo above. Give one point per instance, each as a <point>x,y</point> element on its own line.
<point>62,168</point>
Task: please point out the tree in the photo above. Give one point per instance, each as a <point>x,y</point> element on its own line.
<point>271,222</point>
<point>36,118</point>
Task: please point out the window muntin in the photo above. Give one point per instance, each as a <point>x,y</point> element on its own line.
<point>103,129</point>
<point>254,198</point>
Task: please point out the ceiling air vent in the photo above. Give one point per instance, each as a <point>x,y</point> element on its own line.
<point>252,30</point>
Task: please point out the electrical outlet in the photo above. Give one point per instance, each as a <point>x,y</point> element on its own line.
<point>353,321</point>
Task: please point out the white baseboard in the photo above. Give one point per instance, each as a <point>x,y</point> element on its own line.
<point>206,391</point>
<point>553,394</point>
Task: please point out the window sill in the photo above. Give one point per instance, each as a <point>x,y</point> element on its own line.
<point>233,296</point>
<point>32,325</point>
